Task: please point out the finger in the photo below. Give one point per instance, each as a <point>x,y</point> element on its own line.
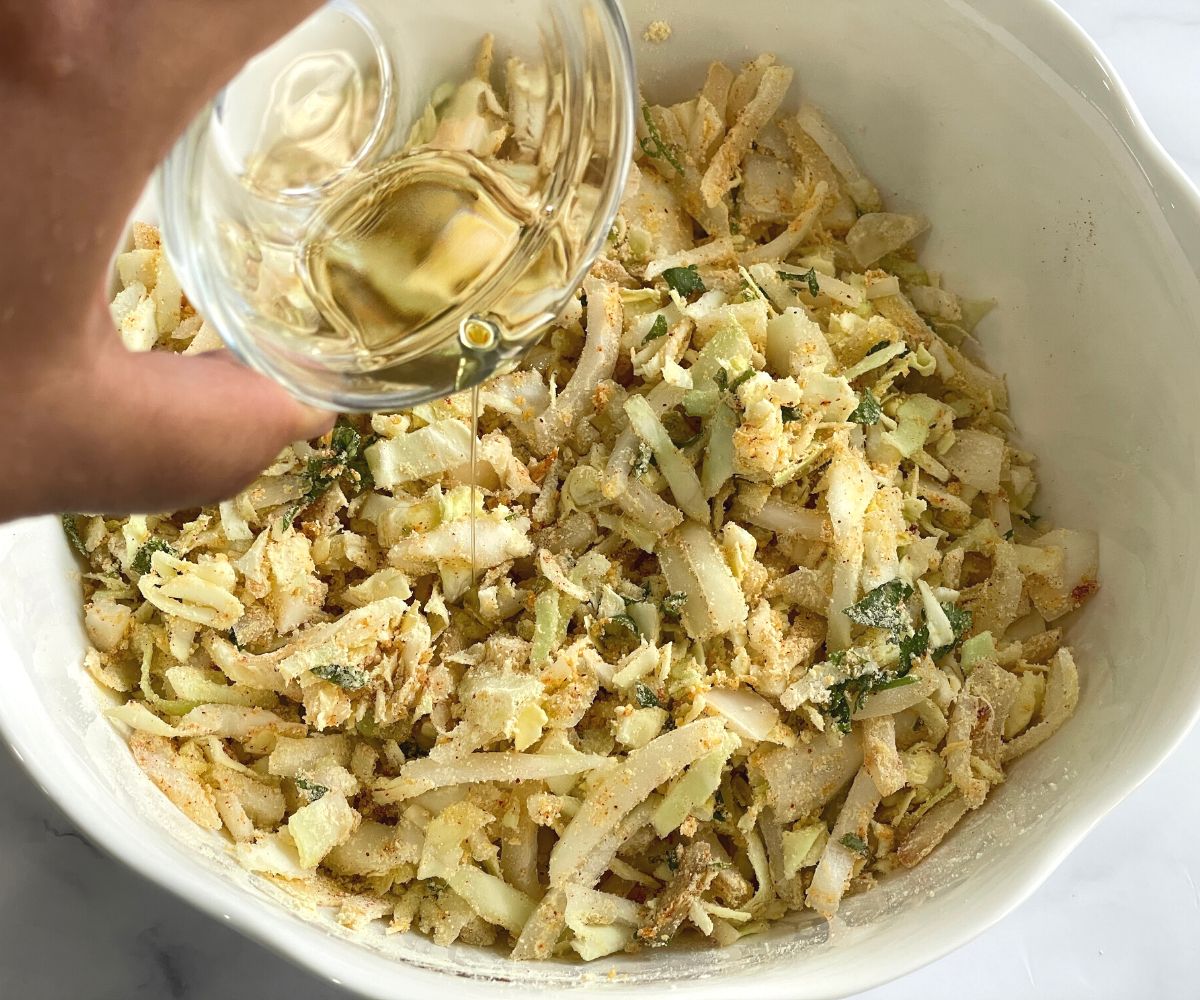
<point>159,431</point>
<point>197,48</point>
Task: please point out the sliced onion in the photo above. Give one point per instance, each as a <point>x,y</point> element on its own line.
<point>787,518</point>
<point>864,193</point>
<point>590,869</point>
<point>746,713</point>
<point>693,564</point>
<point>678,471</point>
<point>596,363</point>
<point>976,458</point>
<point>624,787</point>
<point>881,758</point>
<point>897,699</point>
<point>1058,704</point>
<point>492,898</point>
<point>803,778</point>
<point>647,508</point>
<point>931,829</point>
<point>837,863</point>
<point>878,233</point>
<point>419,776</point>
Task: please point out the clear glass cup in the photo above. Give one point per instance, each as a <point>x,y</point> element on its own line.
<point>342,94</point>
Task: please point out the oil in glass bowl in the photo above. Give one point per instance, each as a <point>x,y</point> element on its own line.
<point>408,242</point>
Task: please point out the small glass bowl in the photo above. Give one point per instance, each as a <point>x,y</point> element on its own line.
<point>346,89</point>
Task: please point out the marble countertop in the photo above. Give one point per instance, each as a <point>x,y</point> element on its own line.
<point>1120,918</point>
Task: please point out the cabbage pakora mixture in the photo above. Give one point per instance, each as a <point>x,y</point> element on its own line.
<point>762,605</point>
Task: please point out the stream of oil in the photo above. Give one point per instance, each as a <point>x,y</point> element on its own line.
<point>474,477</point>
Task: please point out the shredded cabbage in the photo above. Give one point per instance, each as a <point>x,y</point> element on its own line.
<point>749,552</point>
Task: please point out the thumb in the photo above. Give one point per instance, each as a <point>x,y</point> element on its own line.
<point>160,431</point>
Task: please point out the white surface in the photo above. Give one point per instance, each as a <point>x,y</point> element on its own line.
<point>76,925</point>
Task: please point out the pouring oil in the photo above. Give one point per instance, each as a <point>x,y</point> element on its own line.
<point>474,479</point>
<point>476,335</point>
<point>409,240</point>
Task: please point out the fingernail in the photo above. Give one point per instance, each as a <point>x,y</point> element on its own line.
<point>315,422</point>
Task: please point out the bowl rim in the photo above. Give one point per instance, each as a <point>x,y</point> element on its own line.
<point>352,968</point>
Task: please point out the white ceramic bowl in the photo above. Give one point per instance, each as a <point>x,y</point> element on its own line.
<point>1001,121</point>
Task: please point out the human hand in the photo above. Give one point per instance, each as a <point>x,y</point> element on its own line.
<point>92,95</point>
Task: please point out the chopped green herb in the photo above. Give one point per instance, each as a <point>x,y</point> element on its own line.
<point>680,430</point>
<point>839,705</point>
<point>848,696</point>
<point>960,624</point>
<point>616,636</point>
<point>311,789</point>
<point>735,218</point>
<point>359,465</point>
<point>1008,535</point>
<point>883,607</point>
<point>672,859</point>
<point>343,455</point>
<point>879,347</point>
<point>895,682</point>
<point>412,750</point>
<point>290,514</point>
<point>719,806</point>
<point>645,696</point>
<point>743,377</point>
<point>658,329</point>
<point>72,532</point>
<point>750,289</point>
<point>141,561</point>
<point>234,639</point>
<point>654,146</point>
<point>685,280</point>
<point>790,414</point>
<point>868,410</point>
<point>721,378</point>
<point>672,604</point>
<point>641,461</point>
<point>960,620</point>
<point>809,277</point>
<point>1030,519</point>
<point>913,647</point>
<point>347,678</point>
<point>345,440</point>
<point>854,843</point>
